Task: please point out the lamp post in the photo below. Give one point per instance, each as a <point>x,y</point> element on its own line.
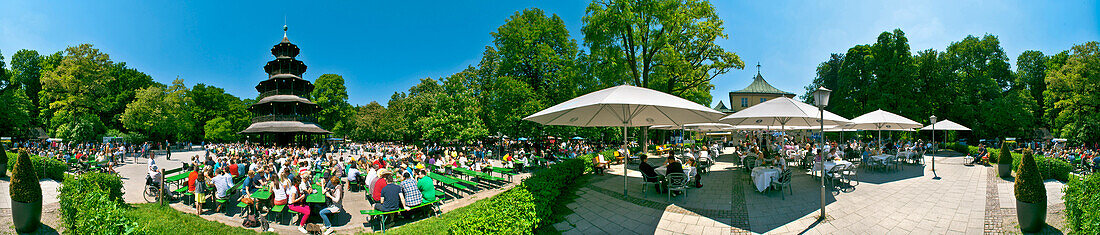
<point>933,120</point>
<point>821,99</point>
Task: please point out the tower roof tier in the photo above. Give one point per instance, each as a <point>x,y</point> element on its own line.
<point>285,66</point>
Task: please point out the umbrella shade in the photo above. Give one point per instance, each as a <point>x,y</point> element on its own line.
<point>945,125</point>
<point>720,133</point>
<point>578,138</point>
<point>782,112</point>
<point>882,121</point>
<point>522,139</point>
<point>707,126</point>
<point>625,105</point>
<point>666,127</point>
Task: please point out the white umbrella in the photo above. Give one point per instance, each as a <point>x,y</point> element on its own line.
<point>625,106</point>
<point>881,120</point>
<point>783,112</point>
<point>945,125</point>
<point>707,126</point>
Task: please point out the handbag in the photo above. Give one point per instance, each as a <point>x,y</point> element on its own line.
<point>247,200</point>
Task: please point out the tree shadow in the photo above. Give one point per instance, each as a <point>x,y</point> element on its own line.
<point>882,176</point>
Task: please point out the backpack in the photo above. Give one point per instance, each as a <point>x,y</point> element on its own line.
<point>251,222</point>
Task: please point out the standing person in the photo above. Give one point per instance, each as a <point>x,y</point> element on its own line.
<point>334,194</point>
<point>200,192</point>
<point>168,149</point>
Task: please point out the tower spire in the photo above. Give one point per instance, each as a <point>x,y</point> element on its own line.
<point>758,67</point>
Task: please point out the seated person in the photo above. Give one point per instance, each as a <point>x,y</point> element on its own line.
<point>673,166</point>
<point>410,191</point>
<point>650,174</point>
<point>391,199</point>
<point>353,176</point>
<point>983,154</point>
<point>379,184</point>
<point>426,185</point>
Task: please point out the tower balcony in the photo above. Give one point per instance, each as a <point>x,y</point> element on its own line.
<point>268,118</point>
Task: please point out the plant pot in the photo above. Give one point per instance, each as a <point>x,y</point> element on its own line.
<point>1032,216</point>
<point>27,216</point>
<point>1004,170</point>
<point>3,170</point>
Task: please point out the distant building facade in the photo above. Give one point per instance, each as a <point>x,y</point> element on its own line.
<point>757,92</point>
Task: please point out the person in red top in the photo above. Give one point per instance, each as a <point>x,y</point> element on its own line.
<point>233,170</point>
<point>376,192</point>
<point>191,180</point>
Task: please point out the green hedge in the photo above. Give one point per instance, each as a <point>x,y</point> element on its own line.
<point>1029,183</point>
<point>92,204</point>
<point>46,167</point>
<point>1051,168</point>
<point>522,209</point>
<point>1082,210</point>
<point>24,182</point>
<point>961,148</point>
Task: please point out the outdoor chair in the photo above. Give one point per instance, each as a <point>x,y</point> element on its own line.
<point>649,180</point>
<point>845,175</point>
<point>677,182</point>
<point>784,181</point>
<point>705,164</point>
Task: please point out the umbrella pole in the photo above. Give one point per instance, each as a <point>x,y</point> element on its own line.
<point>625,158</point>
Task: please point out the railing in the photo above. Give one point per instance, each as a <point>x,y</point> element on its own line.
<point>268,118</point>
<point>283,92</point>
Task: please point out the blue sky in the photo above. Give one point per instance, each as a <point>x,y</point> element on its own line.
<point>385,46</point>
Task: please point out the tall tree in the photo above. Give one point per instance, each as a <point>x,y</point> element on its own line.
<point>666,45</point>
<point>13,111</point>
<point>162,113</point>
<point>209,103</point>
<point>1073,94</point>
<point>1031,77</point>
<point>330,93</point>
<point>76,86</point>
<point>26,68</point>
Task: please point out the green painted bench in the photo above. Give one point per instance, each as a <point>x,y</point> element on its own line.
<point>382,222</point>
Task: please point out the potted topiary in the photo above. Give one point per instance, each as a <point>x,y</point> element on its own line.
<point>26,195</point>
<point>1031,195</point>
<point>1004,161</point>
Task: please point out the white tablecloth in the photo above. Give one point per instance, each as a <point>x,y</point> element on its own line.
<point>660,170</point>
<point>762,177</point>
<point>829,165</point>
<point>881,157</point>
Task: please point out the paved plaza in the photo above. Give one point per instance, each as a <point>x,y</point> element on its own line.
<point>908,200</point>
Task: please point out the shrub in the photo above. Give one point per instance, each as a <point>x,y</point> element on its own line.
<point>4,156</point>
<point>24,182</point>
<point>46,167</point>
<point>80,195</point>
<point>98,214</point>
<point>1029,183</point>
<point>961,148</point>
<point>522,209</point>
<point>1005,156</point>
<point>1051,168</point>
<point>1082,211</point>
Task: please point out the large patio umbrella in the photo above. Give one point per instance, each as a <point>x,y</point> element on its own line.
<point>625,106</point>
<point>783,112</point>
<point>880,120</point>
<point>945,125</point>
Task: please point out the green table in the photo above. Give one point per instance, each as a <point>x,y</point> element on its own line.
<point>316,198</point>
<point>262,194</point>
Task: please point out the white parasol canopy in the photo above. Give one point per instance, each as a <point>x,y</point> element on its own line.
<point>782,112</point>
<point>880,120</point>
<point>625,106</point>
<point>945,125</point>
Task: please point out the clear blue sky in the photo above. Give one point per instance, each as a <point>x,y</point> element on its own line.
<point>382,47</point>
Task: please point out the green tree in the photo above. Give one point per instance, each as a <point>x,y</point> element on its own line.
<point>26,68</point>
<point>161,113</point>
<point>210,102</point>
<point>1073,94</point>
<point>1031,76</point>
<point>666,45</point>
<point>219,129</point>
<point>331,95</point>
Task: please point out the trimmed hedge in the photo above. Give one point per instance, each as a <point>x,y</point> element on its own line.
<point>1029,183</point>
<point>48,167</point>
<point>1082,210</point>
<point>24,182</point>
<point>522,209</point>
<point>961,148</point>
<point>92,204</point>
<point>1051,168</point>
<point>1006,155</point>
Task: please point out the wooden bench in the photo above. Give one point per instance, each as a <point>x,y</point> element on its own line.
<point>447,180</point>
<point>503,171</point>
<point>384,214</point>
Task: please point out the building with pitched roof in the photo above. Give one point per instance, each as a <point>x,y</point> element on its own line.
<point>757,92</point>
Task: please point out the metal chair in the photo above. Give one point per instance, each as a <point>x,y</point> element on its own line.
<point>784,181</point>
<point>649,180</point>
<point>845,175</point>
<point>677,182</point>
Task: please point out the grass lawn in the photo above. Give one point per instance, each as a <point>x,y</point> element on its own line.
<point>158,219</point>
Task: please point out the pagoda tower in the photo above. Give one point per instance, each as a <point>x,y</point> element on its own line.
<point>282,116</point>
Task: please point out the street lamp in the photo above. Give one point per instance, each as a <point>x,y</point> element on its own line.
<point>821,99</point>
<point>933,120</point>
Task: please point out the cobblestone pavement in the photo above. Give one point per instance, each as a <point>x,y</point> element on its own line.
<point>903,201</point>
